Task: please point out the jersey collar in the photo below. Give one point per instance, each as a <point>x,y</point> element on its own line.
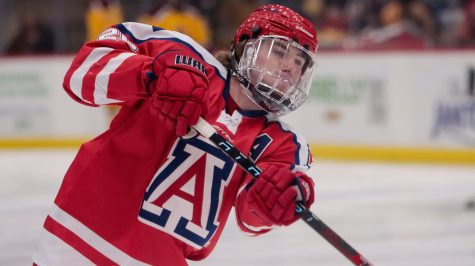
<point>232,106</point>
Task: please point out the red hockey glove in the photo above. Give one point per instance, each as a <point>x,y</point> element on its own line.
<point>181,91</point>
<point>306,189</point>
<point>273,196</point>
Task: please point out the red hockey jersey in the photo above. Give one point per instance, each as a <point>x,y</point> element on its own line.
<point>138,194</point>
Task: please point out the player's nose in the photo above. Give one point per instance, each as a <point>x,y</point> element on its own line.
<point>287,69</point>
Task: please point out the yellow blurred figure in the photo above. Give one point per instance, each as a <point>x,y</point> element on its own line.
<point>181,17</point>
<point>100,15</point>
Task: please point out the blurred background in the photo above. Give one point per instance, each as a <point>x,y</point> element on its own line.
<point>58,26</point>
<point>395,78</point>
<point>390,118</point>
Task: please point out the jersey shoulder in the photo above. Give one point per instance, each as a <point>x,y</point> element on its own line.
<point>141,34</point>
<point>285,145</point>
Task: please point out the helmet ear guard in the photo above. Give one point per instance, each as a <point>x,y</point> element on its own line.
<point>255,31</point>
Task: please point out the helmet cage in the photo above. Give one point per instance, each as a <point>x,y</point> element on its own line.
<point>278,73</point>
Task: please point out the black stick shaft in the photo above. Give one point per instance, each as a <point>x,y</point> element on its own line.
<point>206,130</point>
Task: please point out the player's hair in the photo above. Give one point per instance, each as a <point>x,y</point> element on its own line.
<point>224,56</point>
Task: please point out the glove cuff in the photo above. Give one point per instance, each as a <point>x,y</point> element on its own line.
<point>180,59</point>
<point>306,187</point>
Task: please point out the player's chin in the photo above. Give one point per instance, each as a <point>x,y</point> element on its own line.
<point>284,86</point>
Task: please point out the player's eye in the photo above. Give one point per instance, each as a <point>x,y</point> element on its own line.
<point>279,52</point>
<point>299,61</point>
<point>303,60</point>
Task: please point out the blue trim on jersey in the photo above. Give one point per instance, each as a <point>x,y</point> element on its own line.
<point>297,156</point>
<point>247,113</point>
<point>125,31</point>
<point>155,28</point>
<point>299,146</point>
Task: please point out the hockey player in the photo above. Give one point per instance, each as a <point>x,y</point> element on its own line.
<point>141,193</point>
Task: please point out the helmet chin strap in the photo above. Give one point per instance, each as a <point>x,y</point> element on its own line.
<point>245,82</point>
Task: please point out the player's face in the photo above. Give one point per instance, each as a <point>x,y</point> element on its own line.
<point>283,62</point>
<point>279,72</point>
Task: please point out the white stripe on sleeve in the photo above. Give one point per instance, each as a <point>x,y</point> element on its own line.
<point>102,79</point>
<point>54,252</point>
<point>77,78</point>
<point>91,238</point>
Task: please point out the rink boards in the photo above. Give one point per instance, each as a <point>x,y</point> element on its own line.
<point>403,106</point>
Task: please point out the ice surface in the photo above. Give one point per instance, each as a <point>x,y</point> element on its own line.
<point>394,214</point>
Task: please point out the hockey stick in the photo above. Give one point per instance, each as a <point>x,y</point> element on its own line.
<point>208,131</point>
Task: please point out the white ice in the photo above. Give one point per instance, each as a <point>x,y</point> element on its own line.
<point>394,214</point>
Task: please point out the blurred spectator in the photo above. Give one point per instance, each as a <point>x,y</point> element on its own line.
<point>451,17</point>
<point>332,23</point>
<point>395,31</point>
<point>424,21</point>
<point>362,14</point>
<point>351,24</point>
<point>230,15</point>
<point>100,15</point>
<point>459,26</point>
<point>296,5</point>
<point>181,16</point>
<point>34,36</point>
<point>312,9</point>
<point>470,22</point>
